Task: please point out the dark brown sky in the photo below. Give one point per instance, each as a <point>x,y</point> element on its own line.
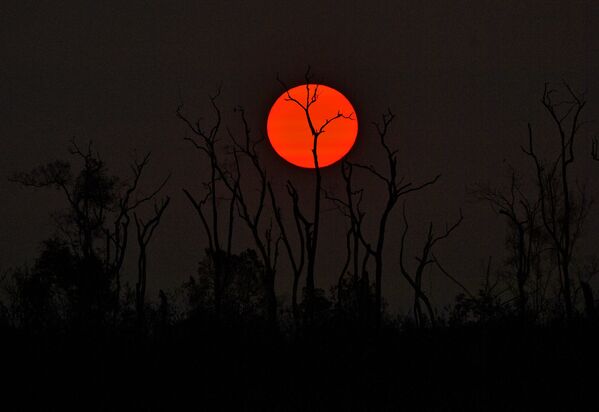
<point>463,77</point>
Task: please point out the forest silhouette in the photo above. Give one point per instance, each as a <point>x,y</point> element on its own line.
<point>75,334</point>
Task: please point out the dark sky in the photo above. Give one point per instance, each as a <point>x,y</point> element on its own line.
<point>463,78</point>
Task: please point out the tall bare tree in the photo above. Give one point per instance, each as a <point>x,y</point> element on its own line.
<point>395,187</point>
<point>265,240</point>
<point>117,236</point>
<point>207,209</point>
<point>562,210</point>
<point>297,257</point>
<point>357,256</point>
<point>316,131</point>
<point>524,239</point>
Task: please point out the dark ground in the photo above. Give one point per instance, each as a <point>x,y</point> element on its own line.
<point>492,367</point>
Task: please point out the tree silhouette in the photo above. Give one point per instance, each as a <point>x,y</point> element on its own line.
<point>357,255</point>
<point>563,212</point>
<point>297,257</point>
<point>93,231</point>
<point>117,238</point>
<point>242,151</point>
<point>395,187</point>
<point>207,143</point>
<point>425,258</point>
<point>265,241</point>
<point>524,242</point>
<point>312,227</point>
<point>145,230</point>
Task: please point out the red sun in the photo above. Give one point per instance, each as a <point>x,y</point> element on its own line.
<point>290,134</point>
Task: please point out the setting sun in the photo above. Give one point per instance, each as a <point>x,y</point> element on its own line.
<point>289,132</point>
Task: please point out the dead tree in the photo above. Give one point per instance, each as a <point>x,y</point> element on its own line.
<point>265,240</point>
<point>562,211</point>
<point>357,257</point>
<point>396,187</point>
<point>145,230</point>
<point>296,259</point>
<point>311,237</point>
<point>206,141</point>
<point>524,239</point>
<point>423,260</point>
<point>117,237</point>
<point>243,151</point>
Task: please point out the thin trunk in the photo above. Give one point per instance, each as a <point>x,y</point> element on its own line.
<point>140,287</point>
<point>271,299</point>
<point>566,230</point>
<point>378,288</point>
<point>310,285</point>
<point>589,300</point>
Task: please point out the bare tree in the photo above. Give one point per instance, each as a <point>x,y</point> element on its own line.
<point>316,131</point>
<point>207,208</point>
<point>265,241</point>
<point>243,151</point>
<point>145,230</point>
<point>562,210</point>
<point>357,255</point>
<point>423,260</point>
<point>396,187</point>
<point>117,237</point>
<point>524,239</point>
<point>296,259</point>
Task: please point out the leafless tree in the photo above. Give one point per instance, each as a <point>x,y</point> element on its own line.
<point>524,238</point>
<point>117,236</point>
<point>207,208</point>
<point>242,152</point>
<point>297,259</point>
<point>145,230</point>
<point>311,235</point>
<point>395,187</point>
<point>266,241</point>
<point>357,256</point>
<point>423,260</point>
<point>562,210</point>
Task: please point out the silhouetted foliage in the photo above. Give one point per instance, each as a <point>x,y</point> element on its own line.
<point>243,296</point>
<point>80,267</point>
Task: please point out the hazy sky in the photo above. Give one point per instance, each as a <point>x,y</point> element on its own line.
<point>463,78</point>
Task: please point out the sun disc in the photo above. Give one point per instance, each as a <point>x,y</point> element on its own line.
<point>289,132</point>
